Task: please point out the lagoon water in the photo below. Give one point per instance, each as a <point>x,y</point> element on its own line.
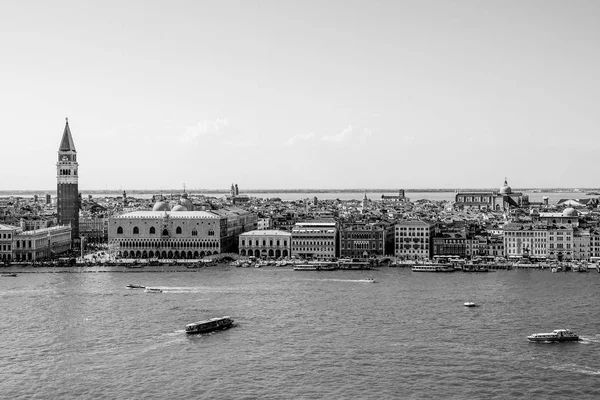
<point>299,335</point>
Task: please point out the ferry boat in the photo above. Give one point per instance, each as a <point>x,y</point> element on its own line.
<point>152,290</point>
<point>367,280</point>
<point>134,286</point>
<point>432,268</point>
<point>557,335</point>
<point>209,325</point>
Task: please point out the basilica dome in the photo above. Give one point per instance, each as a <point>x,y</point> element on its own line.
<point>505,189</point>
<point>570,212</point>
<point>184,201</point>
<point>161,206</point>
<point>179,207</point>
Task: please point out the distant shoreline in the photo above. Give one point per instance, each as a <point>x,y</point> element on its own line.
<point>253,191</point>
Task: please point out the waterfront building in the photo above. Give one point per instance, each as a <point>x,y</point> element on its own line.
<point>527,240</point>
<point>451,244</point>
<point>495,246</point>
<point>7,234</point>
<point>594,243</point>
<point>177,233</point>
<point>17,244</point>
<point>362,240</point>
<point>315,239</point>
<point>42,243</point>
<point>67,190</point>
<point>414,239</point>
<point>265,243</point>
<point>581,244</point>
<point>497,200</point>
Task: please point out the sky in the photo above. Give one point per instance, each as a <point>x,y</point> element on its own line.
<point>301,94</point>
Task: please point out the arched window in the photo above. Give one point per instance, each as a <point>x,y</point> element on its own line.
<point>152,230</point>
<point>165,232</point>
<point>120,230</point>
<point>178,230</point>
<point>136,230</point>
<point>194,232</point>
<point>211,232</point>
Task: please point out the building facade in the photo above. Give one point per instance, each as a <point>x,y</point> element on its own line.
<point>178,233</point>
<point>67,188</point>
<point>414,240</point>
<point>7,234</point>
<point>315,239</point>
<point>33,245</point>
<point>361,240</point>
<point>265,243</point>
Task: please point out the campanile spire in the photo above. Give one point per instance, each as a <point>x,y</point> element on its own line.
<point>67,179</point>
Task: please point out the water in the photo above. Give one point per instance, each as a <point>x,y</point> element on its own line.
<point>301,335</point>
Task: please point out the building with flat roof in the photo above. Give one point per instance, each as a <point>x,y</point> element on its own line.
<point>265,243</point>
<point>175,233</point>
<point>414,239</point>
<point>315,239</point>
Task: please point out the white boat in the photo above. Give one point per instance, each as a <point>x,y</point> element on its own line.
<point>469,304</point>
<point>209,325</point>
<point>152,290</point>
<point>557,335</point>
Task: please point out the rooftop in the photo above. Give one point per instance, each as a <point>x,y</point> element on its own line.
<point>170,214</point>
<point>271,232</point>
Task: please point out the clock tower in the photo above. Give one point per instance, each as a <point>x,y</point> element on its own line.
<point>67,189</point>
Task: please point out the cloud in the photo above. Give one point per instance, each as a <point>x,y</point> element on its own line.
<point>299,138</point>
<point>348,133</point>
<point>236,142</point>
<point>204,128</point>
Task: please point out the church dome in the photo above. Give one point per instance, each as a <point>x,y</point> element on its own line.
<point>570,212</point>
<point>161,206</point>
<point>505,189</point>
<point>179,207</point>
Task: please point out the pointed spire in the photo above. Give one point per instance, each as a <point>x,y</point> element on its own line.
<point>67,144</point>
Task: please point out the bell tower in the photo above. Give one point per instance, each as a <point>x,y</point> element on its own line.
<point>67,188</point>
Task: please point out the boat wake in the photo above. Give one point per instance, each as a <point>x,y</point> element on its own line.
<point>343,280</point>
<point>579,369</point>
<point>589,340</point>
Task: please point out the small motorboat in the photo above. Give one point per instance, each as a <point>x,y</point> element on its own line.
<point>470,304</point>
<point>557,335</point>
<point>134,286</point>
<point>152,290</point>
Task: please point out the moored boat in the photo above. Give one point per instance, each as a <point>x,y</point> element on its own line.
<point>209,325</point>
<point>557,335</point>
<point>432,268</point>
<point>8,275</point>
